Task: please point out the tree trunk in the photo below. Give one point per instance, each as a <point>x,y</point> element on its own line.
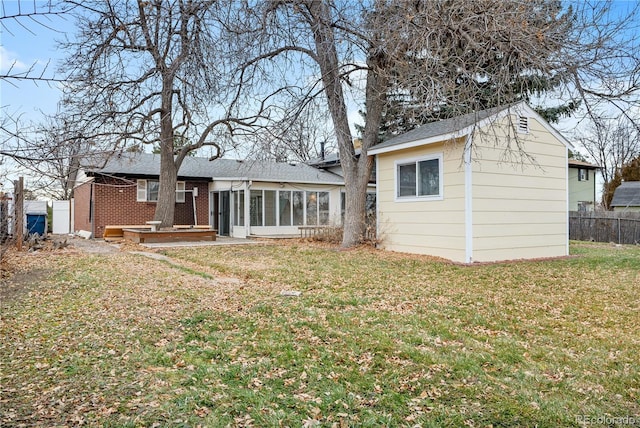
<point>356,171</point>
<point>166,205</point>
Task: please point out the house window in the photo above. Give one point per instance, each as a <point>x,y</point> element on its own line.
<point>284,198</point>
<point>180,192</point>
<point>238,208</point>
<point>298,208</point>
<point>255,207</point>
<point>262,208</point>
<point>421,179</point>
<point>317,208</point>
<point>523,124</point>
<point>312,208</point>
<point>583,206</point>
<point>270,209</point>
<point>147,191</point>
<point>583,174</point>
<point>323,207</point>
<point>370,204</point>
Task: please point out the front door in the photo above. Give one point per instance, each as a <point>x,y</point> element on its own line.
<point>221,212</point>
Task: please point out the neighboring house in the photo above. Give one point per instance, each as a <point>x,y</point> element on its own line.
<point>238,198</point>
<point>582,185</point>
<point>627,197</point>
<point>450,189</point>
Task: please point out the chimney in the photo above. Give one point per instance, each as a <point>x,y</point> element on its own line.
<point>322,149</point>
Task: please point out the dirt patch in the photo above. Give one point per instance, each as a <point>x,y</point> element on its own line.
<point>20,272</point>
<point>94,246</point>
<point>20,283</point>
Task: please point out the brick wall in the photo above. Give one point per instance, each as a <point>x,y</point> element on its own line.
<point>82,207</point>
<point>184,211</point>
<point>115,204</point>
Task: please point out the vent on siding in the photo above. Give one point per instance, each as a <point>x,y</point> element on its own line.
<point>523,124</point>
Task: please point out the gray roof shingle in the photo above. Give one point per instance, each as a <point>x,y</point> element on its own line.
<point>627,195</point>
<point>442,127</point>
<point>146,164</point>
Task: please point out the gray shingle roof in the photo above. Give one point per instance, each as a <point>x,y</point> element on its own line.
<point>627,195</point>
<point>442,127</point>
<point>145,164</point>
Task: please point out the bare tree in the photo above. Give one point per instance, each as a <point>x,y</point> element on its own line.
<point>52,153</point>
<point>299,137</point>
<point>31,16</point>
<point>611,142</point>
<point>450,53</point>
<point>152,72</point>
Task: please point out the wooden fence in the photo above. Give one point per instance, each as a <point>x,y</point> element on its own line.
<point>621,228</point>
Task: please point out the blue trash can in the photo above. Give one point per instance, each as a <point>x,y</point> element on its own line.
<point>36,223</point>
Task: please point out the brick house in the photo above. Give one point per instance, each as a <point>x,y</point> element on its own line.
<point>238,198</point>
<point>110,196</point>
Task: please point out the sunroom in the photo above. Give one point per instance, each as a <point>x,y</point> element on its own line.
<point>273,199</point>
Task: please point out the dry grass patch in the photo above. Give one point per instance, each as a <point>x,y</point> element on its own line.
<point>376,338</point>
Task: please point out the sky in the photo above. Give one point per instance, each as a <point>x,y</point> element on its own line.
<point>30,42</point>
<point>27,42</point>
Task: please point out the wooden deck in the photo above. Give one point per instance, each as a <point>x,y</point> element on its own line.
<point>115,232</point>
<point>141,236</point>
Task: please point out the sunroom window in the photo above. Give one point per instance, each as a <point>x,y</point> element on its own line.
<point>289,208</point>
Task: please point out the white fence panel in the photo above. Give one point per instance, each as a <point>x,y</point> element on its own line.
<point>61,217</point>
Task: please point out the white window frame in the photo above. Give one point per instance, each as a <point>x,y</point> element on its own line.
<point>180,192</point>
<point>416,161</point>
<point>238,203</point>
<point>305,199</point>
<point>142,189</point>
<point>583,174</point>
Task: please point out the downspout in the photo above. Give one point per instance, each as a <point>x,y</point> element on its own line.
<point>92,210</point>
<point>247,208</point>
<point>566,187</point>
<point>194,193</point>
<point>468,201</point>
<point>378,241</point>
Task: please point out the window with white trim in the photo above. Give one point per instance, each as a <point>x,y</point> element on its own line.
<point>583,174</point>
<point>370,204</point>
<point>141,195</point>
<point>298,208</point>
<point>255,207</point>
<point>270,208</point>
<point>238,208</point>
<point>147,191</point>
<point>420,178</point>
<point>289,208</point>
<point>180,191</point>
<point>262,208</point>
<point>284,208</point>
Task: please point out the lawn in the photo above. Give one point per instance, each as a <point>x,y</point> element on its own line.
<point>375,339</point>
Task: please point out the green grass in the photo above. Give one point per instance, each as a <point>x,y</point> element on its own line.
<point>375,339</point>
